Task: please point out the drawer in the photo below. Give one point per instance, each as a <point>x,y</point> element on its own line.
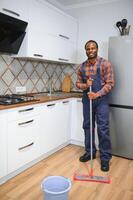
<point>23,142</point>
<point>22,112</point>
<point>18,158</point>
<point>22,131</point>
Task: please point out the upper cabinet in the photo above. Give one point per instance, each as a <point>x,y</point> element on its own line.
<point>33,45</point>
<point>60,24</point>
<point>15,8</point>
<point>51,34</point>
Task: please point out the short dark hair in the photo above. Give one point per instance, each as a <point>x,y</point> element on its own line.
<point>93,41</point>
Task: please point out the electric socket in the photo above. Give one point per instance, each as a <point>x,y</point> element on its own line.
<point>21,89</point>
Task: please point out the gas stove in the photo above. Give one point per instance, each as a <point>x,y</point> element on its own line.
<point>10,99</point>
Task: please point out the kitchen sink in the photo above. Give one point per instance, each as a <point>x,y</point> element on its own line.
<point>54,94</point>
<point>58,94</point>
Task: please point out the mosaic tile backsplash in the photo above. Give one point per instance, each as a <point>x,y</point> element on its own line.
<point>34,75</point>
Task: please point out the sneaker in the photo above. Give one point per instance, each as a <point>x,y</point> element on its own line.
<point>105,165</point>
<point>86,157</point>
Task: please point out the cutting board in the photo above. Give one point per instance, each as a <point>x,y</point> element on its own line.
<point>66,84</point>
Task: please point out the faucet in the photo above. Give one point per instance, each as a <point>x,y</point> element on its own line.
<point>50,85</point>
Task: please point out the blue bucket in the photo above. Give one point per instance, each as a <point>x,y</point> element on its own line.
<point>56,188</point>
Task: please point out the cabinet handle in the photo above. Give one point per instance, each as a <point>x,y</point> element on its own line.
<point>38,55</point>
<point>62,59</point>
<point>28,145</point>
<point>79,100</point>
<point>51,105</point>
<point>65,102</point>
<point>10,11</point>
<point>27,122</point>
<point>25,110</point>
<point>63,36</point>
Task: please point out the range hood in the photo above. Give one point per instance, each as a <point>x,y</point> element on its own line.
<point>12,32</point>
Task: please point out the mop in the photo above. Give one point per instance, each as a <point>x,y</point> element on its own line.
<point>91,177</point>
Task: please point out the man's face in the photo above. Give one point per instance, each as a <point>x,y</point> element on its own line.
<point>91,50</point>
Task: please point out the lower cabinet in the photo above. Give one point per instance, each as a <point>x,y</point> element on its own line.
<point>48,127</point>
<point>55,125</point>
<point>77,132</point>
<point>3,144</point>
<point>23,140</point>
<point>64,120</point>
<point>30,132</point>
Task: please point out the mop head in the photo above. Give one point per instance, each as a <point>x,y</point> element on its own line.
<point>82,177</point>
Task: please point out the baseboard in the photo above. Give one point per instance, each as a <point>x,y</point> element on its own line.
<point>30,164</point>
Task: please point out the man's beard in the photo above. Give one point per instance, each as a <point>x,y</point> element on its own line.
<point>92,57</point>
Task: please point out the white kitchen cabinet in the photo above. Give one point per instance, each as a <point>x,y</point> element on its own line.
<point>15,8</point>
<point>33,45</point>
<point>30,133</point>
<point>3,143</point>
<point>61,39</point>
<point>55,125</point>
<point>60,50</point>
<point>49,35</point>
<point>48,127</point>
<point>64,113</point>
<point>77,132</point>
<point>37,31</point>
<point>23,140</point>
<point>60,24</point>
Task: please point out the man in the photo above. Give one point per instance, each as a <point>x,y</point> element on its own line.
<point>98,73</point>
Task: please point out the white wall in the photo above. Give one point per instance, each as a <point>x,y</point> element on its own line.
<point>98,23</point>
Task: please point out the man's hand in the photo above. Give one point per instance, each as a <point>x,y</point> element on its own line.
<point>89,82</point>
<point>93,95</point>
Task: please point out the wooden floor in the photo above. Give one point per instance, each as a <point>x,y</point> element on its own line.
<point>26,186</point>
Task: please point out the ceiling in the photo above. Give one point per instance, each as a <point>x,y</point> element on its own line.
<point>69,4</point>
<point>72,2</point>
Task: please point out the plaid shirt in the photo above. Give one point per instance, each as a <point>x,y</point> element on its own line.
<point>106,71</point>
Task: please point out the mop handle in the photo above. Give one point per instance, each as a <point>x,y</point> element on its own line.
<point>91,135</point>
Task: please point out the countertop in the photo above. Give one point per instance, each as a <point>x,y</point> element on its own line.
<point>43,98</point>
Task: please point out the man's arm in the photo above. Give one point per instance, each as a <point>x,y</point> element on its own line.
<point>79,82</point>
<point>108,79</point>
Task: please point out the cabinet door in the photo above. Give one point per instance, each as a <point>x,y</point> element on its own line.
<point>68,28</point>
<point>23,142</point>
<point>36,30</point>
<point>3,144</point>
<point>15,8</point>
<point>72,52</point>
<point>55,125</point>
<point>58,49</point>
<point>64,121</point>
<point>61,24</point>
<point>67,51</point>
<point>62,128</point>
<point>34,44</point>
<point>49,127</point>
<point>77,133</point>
